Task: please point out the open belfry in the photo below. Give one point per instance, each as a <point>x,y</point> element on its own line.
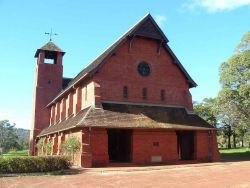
<point>131,104</point>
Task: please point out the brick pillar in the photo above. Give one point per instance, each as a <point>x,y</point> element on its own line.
<point>61,139</point>
<point>63,109</point>
<point>58,111</point>
<point>70,104</point>
<point>86,156</point>
<point>215,152</point>
<point>52,118</point>
<point>210,146</point>
<point>202,145</point>
<point>97,91</point>
<point>55,144</point>
<point>79,99</point>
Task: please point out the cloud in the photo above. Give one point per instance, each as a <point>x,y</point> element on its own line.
<point>216,5</point>
<point>160,20</point>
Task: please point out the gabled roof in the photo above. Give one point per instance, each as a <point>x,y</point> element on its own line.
<point>128,116</point>
<point>146,27</point>
<point>49,46</point>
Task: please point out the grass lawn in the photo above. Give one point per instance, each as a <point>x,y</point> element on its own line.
<point>235,153</point>
<point>22,153</point>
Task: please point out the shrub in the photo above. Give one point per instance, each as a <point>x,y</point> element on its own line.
<point>33,164</point>
<point>48,147</point>
<point>71,146</point>
<point>39,146</point>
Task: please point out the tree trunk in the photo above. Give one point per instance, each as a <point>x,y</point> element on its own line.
<point>242,142</point>
<point>234,140</point>
<point>229,142</point>
<point>229,138</point>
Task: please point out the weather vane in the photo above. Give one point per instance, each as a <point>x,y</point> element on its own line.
<point>50,34</point>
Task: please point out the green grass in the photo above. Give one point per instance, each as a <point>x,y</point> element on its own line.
<point>22,153</point>
<point>235,153</point>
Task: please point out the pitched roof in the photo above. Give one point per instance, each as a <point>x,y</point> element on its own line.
<point>115,115</point>
<point>49,46</point>
<point>65,82</point>
<point>146,27</point>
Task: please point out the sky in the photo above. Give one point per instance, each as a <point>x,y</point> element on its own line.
<point>202,34</point>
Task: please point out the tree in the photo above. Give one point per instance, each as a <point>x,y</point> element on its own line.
<point>244,43</point>
<point>207,109</point>
<point>71,145</point>
<point>8,136</point>
<point>234,97</point>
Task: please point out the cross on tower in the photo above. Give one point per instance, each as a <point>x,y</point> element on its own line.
<point>50,34</point>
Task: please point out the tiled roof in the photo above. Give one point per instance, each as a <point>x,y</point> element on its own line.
<point>114,115</point>
<point>49,46</point>
<point>147,27</point>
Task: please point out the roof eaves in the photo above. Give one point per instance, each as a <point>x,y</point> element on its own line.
<point>176,60</point>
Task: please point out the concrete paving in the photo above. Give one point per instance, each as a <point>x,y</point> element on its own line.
<point>215,175</point>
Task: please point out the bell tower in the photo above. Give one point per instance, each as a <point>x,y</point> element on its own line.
<point>48,83</point>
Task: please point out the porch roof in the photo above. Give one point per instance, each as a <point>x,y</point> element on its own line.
<point>128,116</point>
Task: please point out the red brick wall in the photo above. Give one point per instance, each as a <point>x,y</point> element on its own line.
<point>143,148</point>
<point>48,83</point>
<point>215,152</point>
<point>94,151</point>
<point>202,145</point>
<point>121,70</point>
<point>99,147</point>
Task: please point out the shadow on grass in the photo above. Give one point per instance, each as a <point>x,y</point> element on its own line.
<point>237,154</point>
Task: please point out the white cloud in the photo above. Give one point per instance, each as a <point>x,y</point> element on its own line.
<point>160,20</point>
<point>216,5</point>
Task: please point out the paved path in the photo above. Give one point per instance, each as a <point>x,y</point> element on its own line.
<point>234,174</point>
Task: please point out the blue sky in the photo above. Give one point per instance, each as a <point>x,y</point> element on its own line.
<point>202,33</point>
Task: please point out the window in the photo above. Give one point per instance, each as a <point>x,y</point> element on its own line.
<point>162,95</point>
<point>143,69</point>
<point>144,93</point>
<point>125,92</point>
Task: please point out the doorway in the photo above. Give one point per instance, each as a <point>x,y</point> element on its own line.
<point>119,145</point>
<point>185,144</point>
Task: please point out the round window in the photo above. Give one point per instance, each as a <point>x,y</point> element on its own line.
<point>143,69</point>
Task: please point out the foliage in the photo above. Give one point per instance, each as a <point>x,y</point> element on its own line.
<point>71,145</point>
<point>207,109</point>
<point>234,97</point>
<point>33,164</point>
<point>48,147</point>
<point>244,43</point>
<point>39,146</point>
<point>23,137</point>
<point>12,138</point>
<point>8,137</point>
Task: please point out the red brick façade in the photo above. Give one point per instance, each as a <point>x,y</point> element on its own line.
<point>56,109</point>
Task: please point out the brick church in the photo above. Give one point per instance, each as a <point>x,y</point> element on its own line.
<point>131,104</point>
